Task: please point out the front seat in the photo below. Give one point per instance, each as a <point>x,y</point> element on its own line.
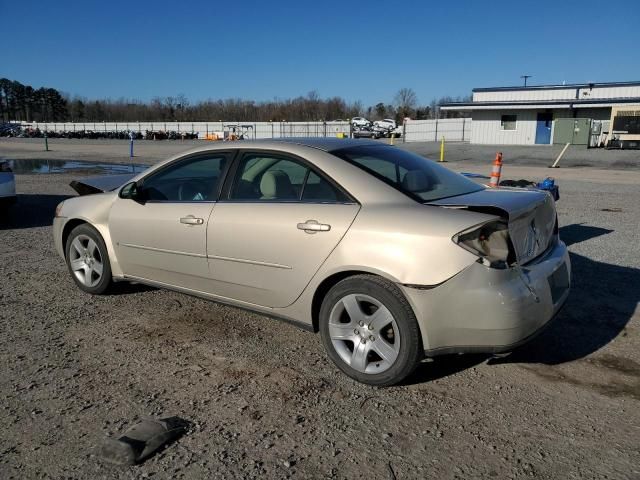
<point>276,185</point>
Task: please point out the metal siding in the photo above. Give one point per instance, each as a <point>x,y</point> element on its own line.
<point>487,128</point>
<point>569,93</point>
<point>524,95</point>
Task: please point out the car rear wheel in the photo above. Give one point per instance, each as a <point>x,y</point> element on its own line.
<point>88,260</point>
<point>370,331</point>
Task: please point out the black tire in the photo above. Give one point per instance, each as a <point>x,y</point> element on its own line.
<point>410,351</point>
<point>105,280</point>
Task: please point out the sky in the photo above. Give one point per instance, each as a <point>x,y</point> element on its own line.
<point>365,50</point>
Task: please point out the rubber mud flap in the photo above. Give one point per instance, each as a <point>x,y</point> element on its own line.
<point>142,440</point>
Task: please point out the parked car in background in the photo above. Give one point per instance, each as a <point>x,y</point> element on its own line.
<point>360,122</point>
<point>390,256</point>
<point>387,123</point>
<point>7,184</point>
<point>368,132</point>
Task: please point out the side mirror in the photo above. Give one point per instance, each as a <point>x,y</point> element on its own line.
<point>132,191</point>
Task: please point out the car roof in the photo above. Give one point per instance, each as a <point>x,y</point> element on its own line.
<point>328,144</point>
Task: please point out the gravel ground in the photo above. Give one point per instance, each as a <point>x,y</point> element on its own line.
<point>265,401</point>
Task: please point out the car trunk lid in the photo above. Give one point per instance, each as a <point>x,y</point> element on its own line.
<point>530,213</point>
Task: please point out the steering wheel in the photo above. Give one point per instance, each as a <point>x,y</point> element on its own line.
<point>193,190</point>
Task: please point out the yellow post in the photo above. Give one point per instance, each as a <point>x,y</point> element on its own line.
<point>391,138</point>
<point>442,150</point>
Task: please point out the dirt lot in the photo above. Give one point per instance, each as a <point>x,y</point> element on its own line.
<point>265,401</point>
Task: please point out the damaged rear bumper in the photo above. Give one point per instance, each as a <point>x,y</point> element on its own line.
<point>486,310</point>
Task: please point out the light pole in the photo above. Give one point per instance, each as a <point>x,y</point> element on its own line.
<point>525,78</point>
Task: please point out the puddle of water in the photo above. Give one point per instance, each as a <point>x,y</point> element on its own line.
<point>68,166</point>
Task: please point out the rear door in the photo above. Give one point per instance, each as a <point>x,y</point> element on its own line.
<point>280,221</point>
<point>164,237</point>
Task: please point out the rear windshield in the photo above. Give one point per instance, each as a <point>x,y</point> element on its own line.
<point>421,179</point>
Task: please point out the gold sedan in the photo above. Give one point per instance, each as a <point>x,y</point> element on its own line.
<point>390,256</point>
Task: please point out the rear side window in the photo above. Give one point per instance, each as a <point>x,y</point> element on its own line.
<point>268,178</point>
<point>318,189</point>
<point>421,179</point>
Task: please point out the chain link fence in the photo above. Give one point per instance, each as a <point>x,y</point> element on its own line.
<point>452,129</point>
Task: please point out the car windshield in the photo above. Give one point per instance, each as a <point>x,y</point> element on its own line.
<point>421,179</point>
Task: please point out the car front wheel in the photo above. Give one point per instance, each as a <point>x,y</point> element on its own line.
<point>370,331</point>
<point>88,260</point>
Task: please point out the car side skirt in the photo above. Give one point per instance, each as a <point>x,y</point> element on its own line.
<point>221,300</point>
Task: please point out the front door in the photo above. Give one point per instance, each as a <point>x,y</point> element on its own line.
<point>280,222</point>
<point>543,128</point>
<point>162,235</point>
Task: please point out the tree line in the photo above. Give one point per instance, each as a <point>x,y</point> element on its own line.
<point>25,103</point>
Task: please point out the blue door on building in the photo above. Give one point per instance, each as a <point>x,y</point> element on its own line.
<point>543,128</point>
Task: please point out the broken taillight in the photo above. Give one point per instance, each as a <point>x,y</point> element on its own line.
<point>490,241</point>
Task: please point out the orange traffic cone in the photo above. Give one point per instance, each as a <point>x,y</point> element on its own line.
<point>496,170</point>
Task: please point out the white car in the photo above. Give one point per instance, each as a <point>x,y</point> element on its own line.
<point>7,184</point>
<point>360,122</point>
<point>388,123</point>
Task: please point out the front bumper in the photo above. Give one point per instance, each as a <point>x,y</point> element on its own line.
<point>485,310</point>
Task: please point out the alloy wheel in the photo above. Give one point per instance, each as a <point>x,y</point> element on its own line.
<point>364,333</point>
<point>85,260</point>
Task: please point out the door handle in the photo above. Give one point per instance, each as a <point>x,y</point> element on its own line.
<point>312,226</point>
<point>191,220</point>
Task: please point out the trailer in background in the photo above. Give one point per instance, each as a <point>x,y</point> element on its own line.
<point>624,127</point>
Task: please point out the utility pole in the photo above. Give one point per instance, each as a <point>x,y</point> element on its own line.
<point>525,78</point>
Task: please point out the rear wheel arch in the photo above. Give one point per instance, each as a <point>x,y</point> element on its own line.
<point>382,352</point>
<point>323,288</point>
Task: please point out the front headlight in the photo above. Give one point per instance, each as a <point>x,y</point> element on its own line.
<point>489,241</point>
<point>59,209</point>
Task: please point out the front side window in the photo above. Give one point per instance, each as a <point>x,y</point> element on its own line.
<point>267,178</point>
<point>508,122</point>
<point>421,179</point>
<point>192,180</point>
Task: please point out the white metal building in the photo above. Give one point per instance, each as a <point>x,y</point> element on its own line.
<point>529,115</point>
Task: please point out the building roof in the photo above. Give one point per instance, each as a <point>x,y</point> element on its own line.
<point>553,87</point>
<point>576,95</point>
<point>537,104</point>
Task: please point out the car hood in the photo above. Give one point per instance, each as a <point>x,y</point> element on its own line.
<point>104,183</point>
